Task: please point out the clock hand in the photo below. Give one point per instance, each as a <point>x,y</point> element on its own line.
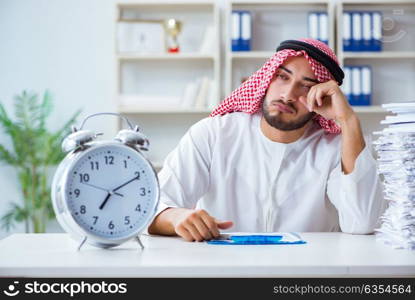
<point>100,188</point>
<point>105,201</point>
<point>125,183</point>
<point>113,191</point>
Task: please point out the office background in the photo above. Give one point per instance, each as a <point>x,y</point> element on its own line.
<point>69,47</point>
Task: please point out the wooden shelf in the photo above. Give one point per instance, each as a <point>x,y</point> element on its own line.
<point>167,56</point>
<point>165,3</point>
<point>277,2</point>
<point>377,2</point>
<point>138,110</point>
<point>369,109</point>
<point>381,54</point>
<point>251,54</point>
<point>133,109</point>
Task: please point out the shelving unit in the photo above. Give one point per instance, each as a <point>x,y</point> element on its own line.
<point>161,76</point>
<point>279,19</point>
<point>165,74</point>
<point>397,59</point>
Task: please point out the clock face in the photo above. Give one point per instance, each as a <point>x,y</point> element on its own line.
<point>111,191</point>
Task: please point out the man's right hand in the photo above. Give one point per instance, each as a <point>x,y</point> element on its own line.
<point>198,225</point>
<point>190,224</point>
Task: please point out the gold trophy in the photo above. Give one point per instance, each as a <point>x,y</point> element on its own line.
<point>172,27</point>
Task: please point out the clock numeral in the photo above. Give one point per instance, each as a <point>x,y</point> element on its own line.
<point>109,160</point>
<point>82,209</point>
<point>94,165</point>
<point>95,219</point>
<point>125,164</point>
<point>77,192</point>
<point>143,191</point>
<point>138,208</point>
<point>137,174</point>
<point>84,177</point>
<point>111,225</point>
<point>127,220</point>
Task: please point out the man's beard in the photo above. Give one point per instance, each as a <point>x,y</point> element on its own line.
<point>276,122</point>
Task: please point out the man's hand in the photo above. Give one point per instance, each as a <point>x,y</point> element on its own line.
<point>327,100</point>
<point>190,224</point>
<point>198,225</point>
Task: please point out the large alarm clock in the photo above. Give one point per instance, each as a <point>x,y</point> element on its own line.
<point>105,192</point>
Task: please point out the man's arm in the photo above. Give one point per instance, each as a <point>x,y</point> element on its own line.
<point>353,185</point>
<point>352,142</point>
<point>183,180</point>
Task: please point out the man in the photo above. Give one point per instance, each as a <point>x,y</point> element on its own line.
<point>271,157</point>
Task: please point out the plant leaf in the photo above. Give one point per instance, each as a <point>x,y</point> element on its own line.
<point>7,157</point>
<point>14,215</point>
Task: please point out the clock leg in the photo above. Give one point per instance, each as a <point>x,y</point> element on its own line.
<point>81,244</point>
<point>139,242</point>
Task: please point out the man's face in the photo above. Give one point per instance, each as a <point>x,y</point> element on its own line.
<point>281,107</point>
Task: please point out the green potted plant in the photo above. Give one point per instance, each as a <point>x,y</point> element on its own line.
<point>34,151</point>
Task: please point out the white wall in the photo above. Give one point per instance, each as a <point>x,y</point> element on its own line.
<point>65,46</point>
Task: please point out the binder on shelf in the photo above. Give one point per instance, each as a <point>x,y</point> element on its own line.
<point>356,31</point>
<point>366,85</point>
<point>376,44</point>
<point>236,31</point>
<point>356,86</point>
<point>318,26</point>
<point>366,31</point>
<point>362,31</point>
<point>241,30</point>
<point>246,30</point>
<point>323,28</point>
<point>347,31</point>
<point>347,82</point>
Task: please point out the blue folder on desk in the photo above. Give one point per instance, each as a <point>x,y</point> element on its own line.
<point>258,239</point>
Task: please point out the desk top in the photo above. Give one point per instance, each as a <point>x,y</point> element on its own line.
<point>324,255</point>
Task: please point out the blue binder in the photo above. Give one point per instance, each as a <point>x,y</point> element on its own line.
<point>323,25</point>
<point>366,31</point>
<point>347,83</point>
<point>366,95</point>
<point>358,80</point>
<point>246,30</point>
<point>356,86</point>
<point>347,31</point>
<point>356,43</point>
<point>313,27</point>
<point>376,43</point>
<point>235,31</point>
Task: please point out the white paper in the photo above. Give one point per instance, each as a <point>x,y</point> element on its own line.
<point>396,162</point>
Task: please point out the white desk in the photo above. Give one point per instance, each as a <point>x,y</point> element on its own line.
<point>324,255</point>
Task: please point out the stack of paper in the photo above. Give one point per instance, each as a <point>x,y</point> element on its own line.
<point>396,162</point>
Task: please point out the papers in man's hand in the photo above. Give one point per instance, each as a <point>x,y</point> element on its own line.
<point>256,238</point>
<point>396,162</point>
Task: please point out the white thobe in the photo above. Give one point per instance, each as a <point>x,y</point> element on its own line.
<point>228,167</point>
